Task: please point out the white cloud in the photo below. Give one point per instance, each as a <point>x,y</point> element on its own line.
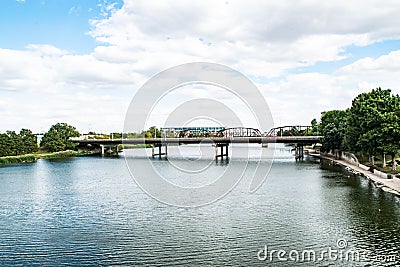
<point>265,40</point>
<point>368,66</point>
<point>301,97</point>
<point>258,38</point>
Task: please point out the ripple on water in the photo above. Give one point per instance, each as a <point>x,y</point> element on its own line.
<point>88,211</point>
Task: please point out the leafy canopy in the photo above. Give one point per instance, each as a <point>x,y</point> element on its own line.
<point>57,138</point>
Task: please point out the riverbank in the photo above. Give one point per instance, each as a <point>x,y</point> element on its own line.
<point>28,158</point>
<point>388,185</point>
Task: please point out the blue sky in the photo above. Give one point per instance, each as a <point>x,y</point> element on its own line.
<point>82,61</point>
<point>352,54</point>
<point>62,23</point>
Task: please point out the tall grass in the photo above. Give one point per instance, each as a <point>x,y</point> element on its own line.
<point>17,159</point>
<point>36,156</point>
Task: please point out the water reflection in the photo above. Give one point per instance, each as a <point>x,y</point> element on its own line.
<point>89,211</point>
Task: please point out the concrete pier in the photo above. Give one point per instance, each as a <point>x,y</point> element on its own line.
<point>109,149</point>
<point>222,154</point>
<point>159,153</point>
<point>219,142</point>
<point>299,152</point>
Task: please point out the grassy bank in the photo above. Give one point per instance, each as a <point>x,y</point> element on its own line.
<point>17,159</point>
<point>34,157</point>
<point>62,154</point>
<point>128,146</point>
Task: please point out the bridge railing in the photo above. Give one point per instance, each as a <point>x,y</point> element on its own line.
<point>240,132</point>
<point>298,130</point>
<point>288,131</point>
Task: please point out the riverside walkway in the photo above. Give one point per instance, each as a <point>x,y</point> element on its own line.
<point>389,185</point>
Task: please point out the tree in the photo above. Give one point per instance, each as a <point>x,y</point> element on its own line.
<point>333,127</point>
<point>28,142</point>
<point>57,138</point>
<point>389,142</point>
<point>153,132</point>
<point>13,144</point>
<point>373,124</point>
<point>5,149</point>
<point>314,127</point>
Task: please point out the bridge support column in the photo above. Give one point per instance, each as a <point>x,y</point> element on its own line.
<point>109,149</point>
<point>160,153</point>
<point>299,152</point>
<point>222,154</point>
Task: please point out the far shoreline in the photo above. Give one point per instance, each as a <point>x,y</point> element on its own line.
<point>33,157</point>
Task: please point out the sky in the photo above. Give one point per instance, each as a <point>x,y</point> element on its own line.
<point>82,61</point>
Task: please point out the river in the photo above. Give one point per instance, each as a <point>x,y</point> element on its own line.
<point>87,211</point>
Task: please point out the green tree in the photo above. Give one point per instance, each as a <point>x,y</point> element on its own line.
<point>14,143</point>
<point>57,138</point>
<point>153,132</point>
<point>389,132</point>
<point>332,128</point>
<point>4,145</point>
<point>314,127</point>
<point>28,142</point>
<point>373,124</point>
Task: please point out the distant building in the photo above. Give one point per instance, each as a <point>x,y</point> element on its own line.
<point>178,131</point>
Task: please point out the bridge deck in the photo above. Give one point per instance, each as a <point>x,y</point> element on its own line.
<point>203,140</point>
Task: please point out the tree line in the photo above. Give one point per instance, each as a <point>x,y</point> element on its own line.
<point>370,127</point>
<point>25,142</point>
<point>14,144</point>
<point>57,138</point>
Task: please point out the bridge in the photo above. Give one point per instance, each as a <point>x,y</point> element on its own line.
<point>291,131</point>
<point>221,139</point>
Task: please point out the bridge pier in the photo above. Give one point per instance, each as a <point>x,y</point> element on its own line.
<point>221,140</point>
<point>299,152</point>
<point>160,153</point>
<point>109,149</point>
<point>222,154</point>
